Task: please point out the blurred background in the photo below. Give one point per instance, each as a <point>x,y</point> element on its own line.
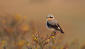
<point>69,13</point>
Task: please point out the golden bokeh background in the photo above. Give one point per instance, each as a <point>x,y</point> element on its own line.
<point>69,13</point>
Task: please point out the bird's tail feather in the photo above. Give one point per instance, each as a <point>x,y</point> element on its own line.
<point>60,29</point>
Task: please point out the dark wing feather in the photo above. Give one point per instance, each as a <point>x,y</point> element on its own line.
<point>55,26</point>
<point>52,26</point>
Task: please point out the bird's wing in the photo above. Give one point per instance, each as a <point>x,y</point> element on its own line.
<point>52,22</point>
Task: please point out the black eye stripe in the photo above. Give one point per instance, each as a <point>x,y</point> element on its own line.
<point>51,17</point>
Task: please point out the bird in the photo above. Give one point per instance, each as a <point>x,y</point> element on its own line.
<point>53,24</point>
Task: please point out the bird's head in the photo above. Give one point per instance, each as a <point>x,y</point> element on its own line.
<point>50,17</point>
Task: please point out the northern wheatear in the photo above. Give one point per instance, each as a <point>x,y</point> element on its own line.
<point>51,23</point>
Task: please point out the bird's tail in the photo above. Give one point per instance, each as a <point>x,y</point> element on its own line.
<point>60,29</point>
